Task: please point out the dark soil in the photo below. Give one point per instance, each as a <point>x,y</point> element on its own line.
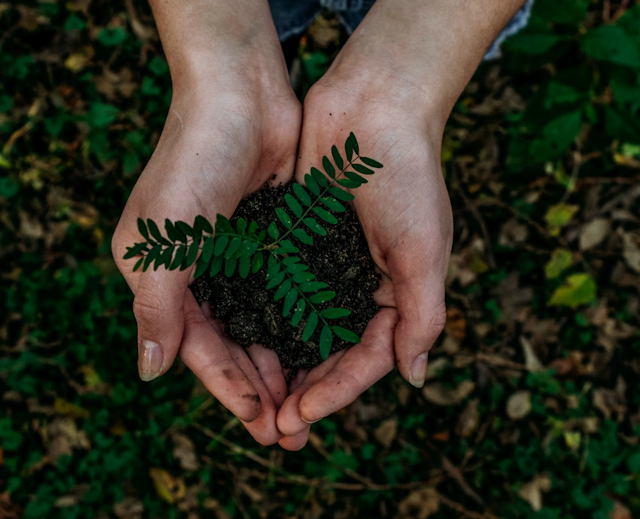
<point>341,259</point>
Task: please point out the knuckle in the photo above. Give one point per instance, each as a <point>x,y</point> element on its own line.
<point>438,320</point>
<point>147,310</point>
<point>194,317</point>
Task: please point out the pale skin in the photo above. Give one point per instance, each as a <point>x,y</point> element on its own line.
<point>234,122</point>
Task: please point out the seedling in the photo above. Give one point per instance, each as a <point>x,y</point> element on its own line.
<point>245,247</point>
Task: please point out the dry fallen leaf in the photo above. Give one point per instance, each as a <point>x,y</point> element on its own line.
<point>631,252</point>
<point>184,452</point>
<point>531,360</point>
<point>8,510</point>
<point>610,401</point>
<point>469,419</point>
<point>519,405</point>
<point>532,492</point>
<point>420,504</point>
<point>437,394</point>
<point>170,489</point>
<point>62,436</point>
<point>619,511</point>
<point>594,232</point>
<point>128,508</point>
<point>387,432</point>
<point>64,407</point>
<point>435,366</point>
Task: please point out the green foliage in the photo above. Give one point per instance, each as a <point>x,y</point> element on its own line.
<point>221,248</point>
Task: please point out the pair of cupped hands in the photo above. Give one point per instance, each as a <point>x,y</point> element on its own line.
<point>230,129</point>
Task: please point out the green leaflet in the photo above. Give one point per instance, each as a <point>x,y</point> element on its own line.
<point>310,327</point>
<point>205,257</point>
<point>311,184</point>
<point>322,297</point>
<point>273,231</point>
<point>346,335</point>
<point>155,232</point>
<point>370,162</point>
<point>220,245</point>
<point>258,261</point>
<point>283,216</point>
<point>179,256</point>
<point>325,215</point>
<point>303,236</point>
<point>142,229</point>
<point>319,177</point>
<point>244,265</point>
<point>326,338</point>
<point>341,194</point>
<point>216,265</point>
<point>234,245</point>
<point>328,167</point>
<point>333,204</point>
<point>202,224</point>
<point>230,266</point>
<point>299,312</point>
<point>336,157</point>
<point>315,226</point>
<point>335,313</point>
<point>275,280</point>
<point>294,205</point>
<point>355,177</point>
<point>362,169</point>
<point>289,300</point>
<point>301,193</point>
<point>282,290</point>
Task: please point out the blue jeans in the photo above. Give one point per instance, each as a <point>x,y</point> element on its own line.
<point>294,16</point>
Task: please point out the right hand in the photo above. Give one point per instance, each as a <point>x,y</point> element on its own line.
<point>227,133</point>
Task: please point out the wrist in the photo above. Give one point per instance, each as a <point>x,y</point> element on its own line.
<point>214,45</point>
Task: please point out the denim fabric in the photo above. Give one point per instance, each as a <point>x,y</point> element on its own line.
<point>294,16</point>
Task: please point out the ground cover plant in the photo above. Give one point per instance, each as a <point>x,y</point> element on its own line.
<point>221,248</point>
<point>531,408</point>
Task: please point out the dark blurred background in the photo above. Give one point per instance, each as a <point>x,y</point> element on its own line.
<point>532,407</point>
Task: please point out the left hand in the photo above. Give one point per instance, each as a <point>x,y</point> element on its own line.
<point>406,216</point>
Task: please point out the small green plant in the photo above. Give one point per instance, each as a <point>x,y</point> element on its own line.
<point>244,248</point>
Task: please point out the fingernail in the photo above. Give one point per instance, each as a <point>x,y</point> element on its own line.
<point>419,370</point>
<point>150,360</point>
<point>307,421</point>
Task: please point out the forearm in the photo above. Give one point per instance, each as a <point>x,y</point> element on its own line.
<point>208,40</point>
<point>426,50</point>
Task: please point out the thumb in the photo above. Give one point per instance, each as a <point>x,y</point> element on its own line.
<point>158,307</point>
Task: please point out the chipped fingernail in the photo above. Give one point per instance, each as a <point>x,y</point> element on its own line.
<point>314,421</point>
<point>419,370</point>
<point>150,360</point>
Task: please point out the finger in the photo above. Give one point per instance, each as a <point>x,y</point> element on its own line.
<point>295,443</point>
<point>419,289</point>
<point>263,428</point>
<point>204,352</point>
<point>289,420</point>
<point>158,307</point>
<point>361,367</point>
<point>270,371</point>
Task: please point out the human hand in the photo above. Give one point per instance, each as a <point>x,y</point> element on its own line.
<point>234,122</point>
<point>406,217</point>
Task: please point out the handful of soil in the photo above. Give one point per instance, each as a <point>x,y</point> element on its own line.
<point>250,315</point>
